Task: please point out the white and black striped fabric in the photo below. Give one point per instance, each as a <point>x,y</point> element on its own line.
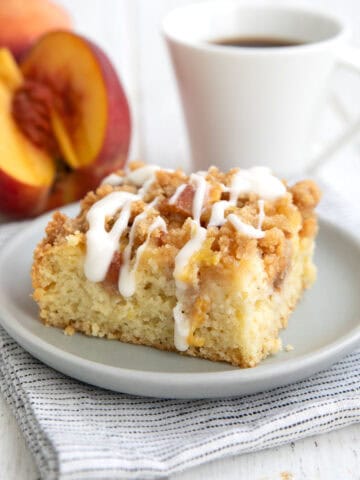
<point>76,431</point>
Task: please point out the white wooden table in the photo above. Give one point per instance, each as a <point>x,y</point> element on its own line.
<point>129,31</point>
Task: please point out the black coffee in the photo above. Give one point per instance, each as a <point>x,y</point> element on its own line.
<point>257,42</point>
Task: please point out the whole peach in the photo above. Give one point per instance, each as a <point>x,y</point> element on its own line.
<point>22,22</point>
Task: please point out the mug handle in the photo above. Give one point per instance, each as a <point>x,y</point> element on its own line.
<point>349,59</point>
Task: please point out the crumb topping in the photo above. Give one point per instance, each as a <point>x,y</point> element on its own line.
<point>283,217</point>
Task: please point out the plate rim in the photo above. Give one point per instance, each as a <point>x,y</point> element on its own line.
<point>42,349</point>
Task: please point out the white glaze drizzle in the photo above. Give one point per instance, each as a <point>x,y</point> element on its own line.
<point>182,323</point>
<point>182,326</point>
<point>217,218</point>
<point>113,179</point>
<point>201,187</point>
<point>175,197</point>
<point>197,237</point>
<point>144,177</point>
<point>261,204</point>
<point>141,175</point>
<point>127,277</point>
<point>245,228</point>
<point>258,180</point>
<point>125,274</point>
<point>101,245</point>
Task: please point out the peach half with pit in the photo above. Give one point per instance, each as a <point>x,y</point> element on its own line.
<point>70,106</point>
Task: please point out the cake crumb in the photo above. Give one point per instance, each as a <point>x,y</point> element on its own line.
<point>73,239</point>
<point>286,476</point>
<point>289,348</point>
<point>69,330</point>
<point>95,329</point>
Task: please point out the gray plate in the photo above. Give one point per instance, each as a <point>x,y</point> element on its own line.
<point>324,327</point>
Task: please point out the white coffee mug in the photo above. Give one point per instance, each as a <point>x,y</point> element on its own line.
<point>255,106</point>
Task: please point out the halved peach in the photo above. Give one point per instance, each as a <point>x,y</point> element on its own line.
<point>69,106</point>
<point>10,75</point>
<point>88,110</point>
<point>26,172</point>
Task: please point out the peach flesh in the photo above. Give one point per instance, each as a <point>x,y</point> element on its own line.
<point>88,96</point>
<point>26,191</point>
<point>26,172</point>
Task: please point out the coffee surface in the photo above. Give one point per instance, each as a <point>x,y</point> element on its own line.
<point>257,42</point>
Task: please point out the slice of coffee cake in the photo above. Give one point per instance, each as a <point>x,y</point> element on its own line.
<point>210,264</point>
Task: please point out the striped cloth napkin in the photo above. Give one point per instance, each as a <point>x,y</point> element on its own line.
<point>76,431</point>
